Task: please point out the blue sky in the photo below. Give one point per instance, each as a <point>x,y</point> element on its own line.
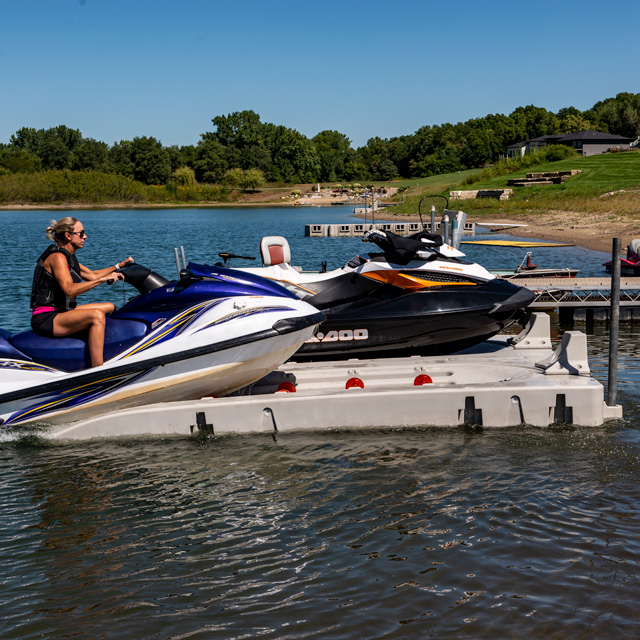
<point>117,69</point>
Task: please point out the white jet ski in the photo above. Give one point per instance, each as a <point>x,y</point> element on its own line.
<point>205,334</point>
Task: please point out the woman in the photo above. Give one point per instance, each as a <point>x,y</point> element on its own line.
<point>59,278</point>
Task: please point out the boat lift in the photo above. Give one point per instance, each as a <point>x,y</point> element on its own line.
<point>503,382</point>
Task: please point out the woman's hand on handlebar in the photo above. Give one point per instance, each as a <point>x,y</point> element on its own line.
<point>123,263</point>
<point>111,277</point>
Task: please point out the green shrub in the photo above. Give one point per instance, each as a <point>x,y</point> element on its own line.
<point>184,177</point>
<point>96,188</point>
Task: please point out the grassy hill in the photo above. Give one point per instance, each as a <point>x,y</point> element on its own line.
<point>609,183</point>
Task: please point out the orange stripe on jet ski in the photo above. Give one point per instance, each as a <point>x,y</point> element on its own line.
<point>405,281</point>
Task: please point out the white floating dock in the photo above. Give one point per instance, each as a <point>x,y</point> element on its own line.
<point>503,382</point>
<point>356,230</point>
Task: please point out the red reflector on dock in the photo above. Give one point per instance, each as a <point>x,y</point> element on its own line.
<point>353,383</point>
<point>286,387</point>
<point>423,378</point>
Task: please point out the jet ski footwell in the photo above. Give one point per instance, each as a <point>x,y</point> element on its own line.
<point>503,382</point>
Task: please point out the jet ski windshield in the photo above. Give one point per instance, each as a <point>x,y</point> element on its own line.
<point>420,246</point>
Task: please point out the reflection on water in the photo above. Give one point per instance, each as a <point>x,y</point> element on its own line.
<point>457,533</point>
<point>379,534</point>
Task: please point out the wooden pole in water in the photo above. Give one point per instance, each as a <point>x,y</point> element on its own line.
<point>614,323</point>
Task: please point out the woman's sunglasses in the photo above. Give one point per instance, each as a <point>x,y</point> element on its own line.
<point>82,233</point>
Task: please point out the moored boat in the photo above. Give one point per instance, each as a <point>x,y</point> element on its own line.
<point>526,270</point>
<point>630,265</point>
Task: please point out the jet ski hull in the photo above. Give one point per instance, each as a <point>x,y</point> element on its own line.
<point>430,322</point>
<point>213,348</point>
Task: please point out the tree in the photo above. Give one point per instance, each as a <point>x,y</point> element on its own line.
<point>533,122</point>
<point>120,157</point>
<point>90,155</point>
<point>184,177</point>
<point>234,178</point>
<point>151,162</point>
<point>210,161</point>
<point>240,130</point>
<point>387,170</point>
<point>176,159</point>
<point>53,146</point>
<point>619,115</point>
<point>331,148</point>
<point>253,178</point>
<point>573,120</point>
<point>294,156</point>
<point>19,160</point>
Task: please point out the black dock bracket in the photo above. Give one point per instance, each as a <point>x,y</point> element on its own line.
<point>470,414</point>
<point>562,414</point>
<point>201,424</point>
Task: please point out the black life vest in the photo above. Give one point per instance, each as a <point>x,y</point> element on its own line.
<point>45,291</point>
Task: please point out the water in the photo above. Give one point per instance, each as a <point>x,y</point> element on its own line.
<point>150,236</point>
<point>455,533</point>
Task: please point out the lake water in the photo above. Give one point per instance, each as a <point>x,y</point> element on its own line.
<point>455,533</point>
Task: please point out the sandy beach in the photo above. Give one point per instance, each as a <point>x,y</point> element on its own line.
<point>583,229</point>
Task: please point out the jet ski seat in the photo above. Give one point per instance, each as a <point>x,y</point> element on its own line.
<point>275,250</point>
<point>7,350</point>
<point>71,353</point>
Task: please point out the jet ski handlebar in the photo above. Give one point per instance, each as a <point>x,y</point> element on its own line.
<point>227,255</point>
<point>142,278</point>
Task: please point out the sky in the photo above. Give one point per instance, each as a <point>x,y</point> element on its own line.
<point>120,69</point>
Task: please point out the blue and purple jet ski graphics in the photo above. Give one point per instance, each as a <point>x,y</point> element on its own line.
<point>210,332</point>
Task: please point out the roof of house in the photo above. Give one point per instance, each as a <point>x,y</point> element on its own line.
<point>584,136</point>
<point>595,136</point>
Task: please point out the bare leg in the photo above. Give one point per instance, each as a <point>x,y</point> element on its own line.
<point>91,317</point>
<point>105,307</point>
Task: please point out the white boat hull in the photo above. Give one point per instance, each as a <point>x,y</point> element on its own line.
<point>211,357</point>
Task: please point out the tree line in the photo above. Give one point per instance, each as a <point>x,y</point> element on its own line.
<point>242,151</point>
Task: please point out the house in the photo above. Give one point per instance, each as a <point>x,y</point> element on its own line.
<point>586,143</point>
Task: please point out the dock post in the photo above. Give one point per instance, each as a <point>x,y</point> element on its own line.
<point>614,323</point>
<point>373,206</point>
<point>433,219</point>
<point>445,224</point>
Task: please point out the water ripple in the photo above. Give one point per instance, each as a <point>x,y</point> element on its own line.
<point>422,533</point>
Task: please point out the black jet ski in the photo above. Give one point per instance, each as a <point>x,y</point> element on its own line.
<point>416,295</point>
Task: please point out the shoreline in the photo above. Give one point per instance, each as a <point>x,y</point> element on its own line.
<point>582,229</point>
<point>585,230</point>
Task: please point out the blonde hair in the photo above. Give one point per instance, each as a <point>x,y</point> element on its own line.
<point>56,230</point>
